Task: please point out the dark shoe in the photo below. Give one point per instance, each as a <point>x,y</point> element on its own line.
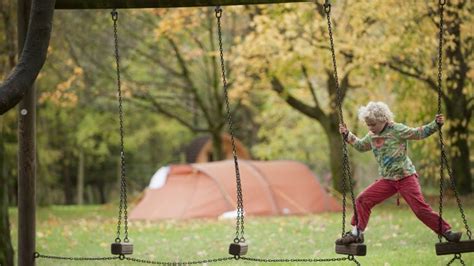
<point>349,238</point>
<point>452,236</point>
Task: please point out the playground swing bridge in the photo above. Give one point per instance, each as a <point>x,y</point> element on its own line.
<point>121,248</point>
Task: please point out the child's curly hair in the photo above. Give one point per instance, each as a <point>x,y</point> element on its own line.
<point>376,111</point>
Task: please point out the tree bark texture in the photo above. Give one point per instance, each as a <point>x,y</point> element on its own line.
<point>335,162</point>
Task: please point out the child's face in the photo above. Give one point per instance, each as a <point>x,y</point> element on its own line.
<point>375,126</point>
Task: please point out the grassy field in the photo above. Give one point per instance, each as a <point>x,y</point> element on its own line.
<point>394,237</point>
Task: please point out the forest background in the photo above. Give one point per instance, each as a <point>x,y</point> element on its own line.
<point>280,81</point>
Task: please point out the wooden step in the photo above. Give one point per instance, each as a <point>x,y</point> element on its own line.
<point>446,248</point>
<point>355,249</point>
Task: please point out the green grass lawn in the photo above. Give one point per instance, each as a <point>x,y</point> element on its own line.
<point>394,236</point>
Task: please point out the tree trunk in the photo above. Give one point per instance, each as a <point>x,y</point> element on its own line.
<point>6,249</point>
<point>458,108</point>
<point>89,194</point>
<point>80,179</point>
<point>335,155</point>
<point>459,152</point>
<point>68,188</point>
<point>101,190</point>
<point>331,128</point>
<point>217,152</point>
<point>329,121</point>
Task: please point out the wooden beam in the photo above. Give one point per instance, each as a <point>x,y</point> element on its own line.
<point>26,150</point>
<point>109,4</point>
<point>35,48</point>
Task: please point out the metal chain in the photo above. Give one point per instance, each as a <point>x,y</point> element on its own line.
<point>350,258</point>
<point>41,256</point>
<point>443,156</point>
<point>179,263</point>
<point>440,133</point>
<point>346,176</point>
<point>457,256</point>
<point>123,182</point>
<point>239,236</point>
<point>123,257</point>
<point>205,261</point>
<point>440,51</point>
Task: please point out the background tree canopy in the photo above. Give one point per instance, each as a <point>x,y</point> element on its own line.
<point>281,89</point>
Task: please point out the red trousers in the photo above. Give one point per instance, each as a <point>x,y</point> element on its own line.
<point>409,189</point>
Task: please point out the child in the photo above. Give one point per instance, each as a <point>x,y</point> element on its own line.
<point>389,142</point>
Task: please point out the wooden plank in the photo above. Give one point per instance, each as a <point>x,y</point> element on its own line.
<point>238,249</point>
<point>454,247</point>
<point>109,4</point>
<point>352,249</point>
<point>121,248</point>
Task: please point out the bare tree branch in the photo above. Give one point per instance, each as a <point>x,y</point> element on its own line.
<point>400,67</point>
<point>310,85</point>
<point>214,65</point>
<point>160,109</point>
<point>310,111</point>
<point>187,77</point>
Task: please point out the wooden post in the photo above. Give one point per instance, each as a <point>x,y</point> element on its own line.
<point>26,156</point>
<point>95,4</point>
<point>6,249</point>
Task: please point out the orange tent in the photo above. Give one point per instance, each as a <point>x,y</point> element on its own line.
<point>206,190</point>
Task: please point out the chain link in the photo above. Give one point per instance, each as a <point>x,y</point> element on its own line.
<point>41,256</point>
<point>205,261</point>
<point>443,157</point>
<point>123,257</point>
<point>293,260</point>
<point>346,176</point>
<point>179,263</point>
<point>457,256</point>
<point>440,133</point>
<point>123,183</point>
<point>239,229</point>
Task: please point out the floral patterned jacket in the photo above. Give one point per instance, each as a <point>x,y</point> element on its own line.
<point>390,147</point>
